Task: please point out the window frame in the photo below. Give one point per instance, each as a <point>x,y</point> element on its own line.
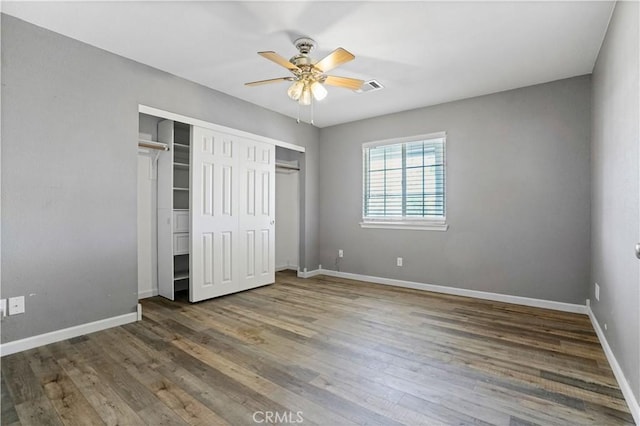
<point>438,223</point>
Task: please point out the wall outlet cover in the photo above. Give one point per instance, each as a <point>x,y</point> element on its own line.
<point>399,262</point>
<point>16,305</point>
<point>597,292</point>
<point>340,253</point>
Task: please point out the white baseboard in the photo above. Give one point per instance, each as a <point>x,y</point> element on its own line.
<point>147,293</point>
<point>310,274</point>
<point>518,300</point>
<point>632,402</point>
<point>66,333</point>
<point>286,268</point>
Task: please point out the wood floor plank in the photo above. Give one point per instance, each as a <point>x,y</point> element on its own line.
<point>70,403</point>
<point>158,415</point>
<point>38,412</point>
<point>8,414</point>
<point>335,351</point>
<point>28,387</point>
<point>184,405</point>
<point>230,410</point>
<point>113,410</point>
<point>313,413</point>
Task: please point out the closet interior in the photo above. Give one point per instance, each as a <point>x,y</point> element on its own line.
<point>288,209</point>
<point>173,208</point>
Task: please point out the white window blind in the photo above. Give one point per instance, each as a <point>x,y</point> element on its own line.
<point>405,181</point>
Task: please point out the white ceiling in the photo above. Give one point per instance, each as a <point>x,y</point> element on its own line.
<point>424,53</point>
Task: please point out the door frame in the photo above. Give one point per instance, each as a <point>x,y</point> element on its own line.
<point>145,109</point>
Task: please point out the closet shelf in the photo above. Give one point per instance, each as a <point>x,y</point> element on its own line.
<point>180,275</point>
<point>180,189</point>
<point>181,165</point>
<point>181,146</point>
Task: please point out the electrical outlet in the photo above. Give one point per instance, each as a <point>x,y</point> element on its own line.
<point>399,262</point>
<point>16,305</point>
<point>605,326</point>
<point>597,292</point>
<point>3,307</point>
<point>340,253</point>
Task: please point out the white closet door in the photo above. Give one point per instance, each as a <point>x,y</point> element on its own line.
<point>257,214</point>
<point>214,214</point>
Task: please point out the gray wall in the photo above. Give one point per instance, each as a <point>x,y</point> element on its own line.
<point>69,167</point>
<point>517,195</point>
<point>616,189</point>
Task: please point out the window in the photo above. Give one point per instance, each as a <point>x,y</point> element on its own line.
<point>404,183</point>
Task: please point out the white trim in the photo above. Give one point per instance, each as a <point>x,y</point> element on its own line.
<point>200,123</point>
<point>310,274</point>
<point>66,333</point>
<point>393,141</point>
<point>147,293</point>
<point>286,268</point>
<point>517,300</point>
<point>409,225</point>
<point>632,402</point>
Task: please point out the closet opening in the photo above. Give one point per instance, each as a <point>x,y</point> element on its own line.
<point>163,207</point>
<point>287,227</point>
<point>148,154</point>
<point>207,208</point>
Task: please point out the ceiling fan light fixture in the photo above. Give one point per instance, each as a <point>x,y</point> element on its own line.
<point>295,90</point>
<point>318,90</point>
<point>305,98</point>
<point>309,76</point>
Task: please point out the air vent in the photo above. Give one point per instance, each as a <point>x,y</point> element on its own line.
<point>369,86</point>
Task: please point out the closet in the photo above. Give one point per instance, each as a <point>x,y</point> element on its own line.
<point>173,208</point>
<point>287,230</point>
<point>215,212</point>
<point>149,151</point>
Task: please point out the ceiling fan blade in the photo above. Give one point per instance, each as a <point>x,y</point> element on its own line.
<point>272,80</point>
<point>334,59</point>
<point>346,82</point>
<point>273,56</point>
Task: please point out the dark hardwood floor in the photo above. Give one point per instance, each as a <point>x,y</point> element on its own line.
<point>322,351</point>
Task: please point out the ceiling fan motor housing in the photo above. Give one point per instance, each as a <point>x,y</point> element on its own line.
<point>305,45</point>
<point>303,60</point>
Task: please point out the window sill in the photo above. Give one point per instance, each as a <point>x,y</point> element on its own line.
<point>413,226</point>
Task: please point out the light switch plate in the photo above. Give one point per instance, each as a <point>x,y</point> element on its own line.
<point>16,305</point>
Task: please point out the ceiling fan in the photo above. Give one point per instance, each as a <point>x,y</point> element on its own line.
<point>308,74</point>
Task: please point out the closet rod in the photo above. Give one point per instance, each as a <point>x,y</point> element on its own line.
<point>286,167</point>
<point>153,145</point>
